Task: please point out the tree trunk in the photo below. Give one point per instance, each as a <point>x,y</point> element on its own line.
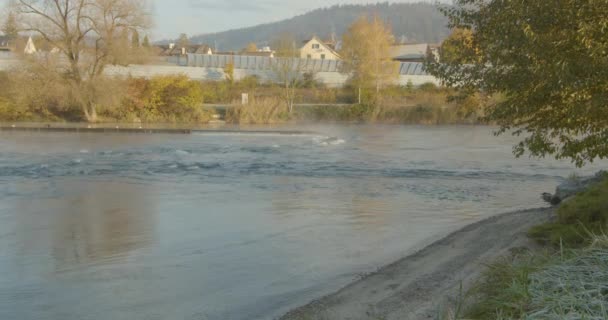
<point>90,113</point>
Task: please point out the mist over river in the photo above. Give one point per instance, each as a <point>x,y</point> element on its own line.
<point>237,226</point>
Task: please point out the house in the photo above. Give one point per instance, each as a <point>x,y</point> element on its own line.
<point>200,49</point>
<point>318,49</point>
<point>30,48</point>
<point>412,52</point>
<point>5,43</point>
<point>19,44</point>
<point>171,50</point>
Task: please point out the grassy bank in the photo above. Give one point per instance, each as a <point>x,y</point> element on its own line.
<point>29,95</point>
<point>426,104</point>
<point>566,279</point>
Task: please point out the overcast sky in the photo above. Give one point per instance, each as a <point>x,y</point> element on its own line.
<point>193,17</point>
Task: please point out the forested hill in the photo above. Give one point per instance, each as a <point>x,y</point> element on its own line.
<point>417,22</point>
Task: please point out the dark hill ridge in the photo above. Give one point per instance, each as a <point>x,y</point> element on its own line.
<point>411,22</point>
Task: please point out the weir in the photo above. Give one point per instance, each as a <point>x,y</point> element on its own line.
<point>184,131</point>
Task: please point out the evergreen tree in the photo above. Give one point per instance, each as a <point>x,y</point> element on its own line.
<point>183,41</point>
<point>135,39</point>
<point>146,42</point>
<point>10,28</point>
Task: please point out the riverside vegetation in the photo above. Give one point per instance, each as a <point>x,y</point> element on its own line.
<point>555,98</point>
<point>39,96</point>
<point>567,278</point>
<point>74,87</point>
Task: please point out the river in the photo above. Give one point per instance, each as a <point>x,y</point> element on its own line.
<point>237,226</point>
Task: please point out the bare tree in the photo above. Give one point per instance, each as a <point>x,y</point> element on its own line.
<point>285,45</point>
<point>288,73</point>
<point>88,36</point>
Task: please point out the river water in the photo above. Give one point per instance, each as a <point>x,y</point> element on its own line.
<point>236,226</point>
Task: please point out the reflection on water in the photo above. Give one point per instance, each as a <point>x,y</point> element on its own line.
<point>83,223</point>
<point>217,226</point>
<point>104,221</point>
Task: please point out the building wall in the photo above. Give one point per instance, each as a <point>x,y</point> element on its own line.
<point>308,52</point>
<point>211,68</point>
<point>8,62</point>
<point>330,79</point>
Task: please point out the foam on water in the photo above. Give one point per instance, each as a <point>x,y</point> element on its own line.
<point>328,141</point>
<point>181,152</point>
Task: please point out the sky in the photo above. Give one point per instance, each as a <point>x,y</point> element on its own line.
<point>194,17</point>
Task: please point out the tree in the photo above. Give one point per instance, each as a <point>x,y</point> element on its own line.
<point>366,54</point>
<point>459,47</point>
<point>183,41</point>
<point>288,72</point>
<point>146,42</point>
<point>229,71</point>
<point>285,46</point>
<point>87,34</point>
<point>135,39</point>
<point>10,28</point>
<point>548,60</point>
<point>251,47</point>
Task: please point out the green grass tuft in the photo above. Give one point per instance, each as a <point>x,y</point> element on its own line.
<point>578,219</point>
<point>504,289</point>
<point>571,284</point>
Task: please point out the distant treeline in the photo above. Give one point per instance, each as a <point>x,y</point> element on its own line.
<point>411,22</point>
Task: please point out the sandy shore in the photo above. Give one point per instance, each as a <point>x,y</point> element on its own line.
<point>414,287</point>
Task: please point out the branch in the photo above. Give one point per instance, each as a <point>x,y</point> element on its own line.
<point>33,10</point>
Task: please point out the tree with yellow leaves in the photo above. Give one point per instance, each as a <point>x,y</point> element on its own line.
<point>251,47</point>
<point>459,47</point>
<point>366,54</point>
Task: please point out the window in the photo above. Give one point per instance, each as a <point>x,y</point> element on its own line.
<point>316,46</point>
<point>322,57</point>
<point>308,56</point>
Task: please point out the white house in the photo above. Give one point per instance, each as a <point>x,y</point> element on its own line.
<point>30,48</point>
<point>317,49</point>
<point>412,52</point>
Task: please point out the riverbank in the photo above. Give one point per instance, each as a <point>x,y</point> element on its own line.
<point>416,286</point>
<point>179,100</point>
<point>144,130</point>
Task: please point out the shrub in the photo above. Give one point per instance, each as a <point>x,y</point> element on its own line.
<point>428,87</point>
<point>352,113</point>
<point>578,218</point>
<point>166,98</point>
<point>249,82</point>
<point>33,94</point>
<point>259,111</point>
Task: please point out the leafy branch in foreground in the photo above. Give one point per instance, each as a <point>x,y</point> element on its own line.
<point>549,60</point>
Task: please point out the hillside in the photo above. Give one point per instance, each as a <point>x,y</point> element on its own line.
<point>417,22</point>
